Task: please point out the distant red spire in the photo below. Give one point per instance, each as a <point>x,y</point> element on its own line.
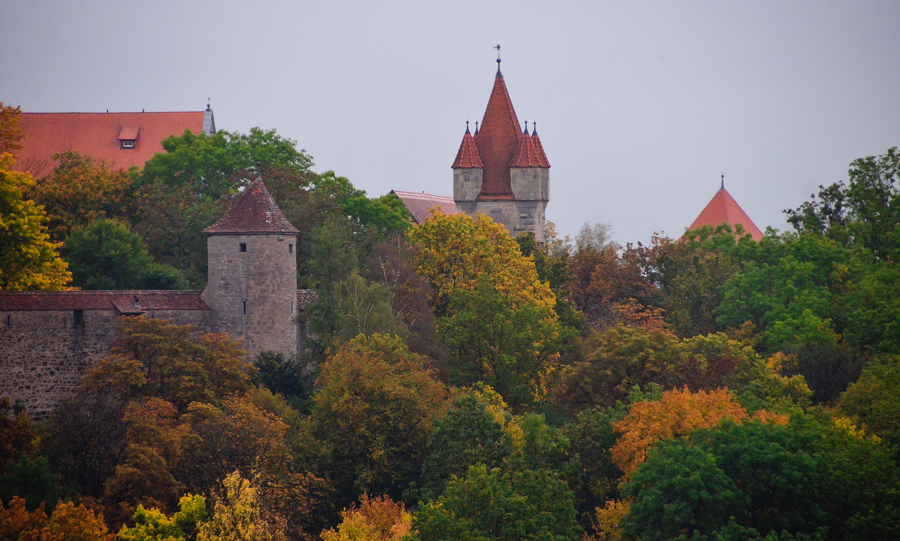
<point>498,138</point>
<point>724,209</point>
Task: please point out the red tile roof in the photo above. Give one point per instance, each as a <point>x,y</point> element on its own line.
<point>420,204</point>
<point>467,156</point>
<point>539,148</point>
<point>253,213</point>
<point>99,135</point>
<point>497,140</point>
<point>126,302</point>
<point>724,209</point>
<point>526,154</point>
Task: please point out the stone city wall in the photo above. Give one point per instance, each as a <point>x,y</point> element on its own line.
<point>44,353</point>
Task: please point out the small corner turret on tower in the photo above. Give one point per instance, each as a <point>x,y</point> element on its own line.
<point>503,171</point>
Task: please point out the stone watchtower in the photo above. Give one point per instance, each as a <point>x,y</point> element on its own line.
<point>502,170</point>
<point>252,289</point>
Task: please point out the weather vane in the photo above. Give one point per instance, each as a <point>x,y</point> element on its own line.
<point>498,52</point>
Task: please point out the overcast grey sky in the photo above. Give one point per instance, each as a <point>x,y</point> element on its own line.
<point>640,105</point>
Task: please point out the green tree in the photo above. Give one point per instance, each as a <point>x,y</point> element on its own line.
<point>472,432</point>
<point>874,400</point>
<point>374,411</point>
<point>864,212</point>
<point>108,255</point>
<point>511,345</point>
<point>679,489</point>
<point>490,504</point>
<point>31,480</point>
<point>154,525</point>
<point>28,259</point>
<point>592,436</point>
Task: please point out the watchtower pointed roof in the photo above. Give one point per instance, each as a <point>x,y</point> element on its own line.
<point>526,154</point>
<point>467,157</point>
<point>253,213</point>
<point>497,141</point>
<point>721,209</point>
<point>539,148</point>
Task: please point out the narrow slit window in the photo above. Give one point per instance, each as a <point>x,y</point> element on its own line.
<point>292,307</point>
<point>245,307</point>
<point>9,318</point>
<point>243,246</point>
<point>78,317</point>
<point>290,248</point>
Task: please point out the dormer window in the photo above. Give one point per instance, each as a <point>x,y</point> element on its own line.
<point>128,136</point>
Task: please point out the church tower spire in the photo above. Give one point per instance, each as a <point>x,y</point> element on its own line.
<point>503,171</point>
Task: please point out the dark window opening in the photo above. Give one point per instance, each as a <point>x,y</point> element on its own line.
<point>127,144</point>
<point>245,307</point>
<point>9,321</point>
<point>243,246</point>
<point>78,317</point>
<point>290,248</point>
<point>292,307</point>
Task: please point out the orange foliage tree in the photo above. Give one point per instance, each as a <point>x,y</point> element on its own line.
<point>374,519</point>
<point>68,522</point>
<point>675,416</point>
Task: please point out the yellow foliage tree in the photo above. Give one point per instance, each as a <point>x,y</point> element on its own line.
<point>675,416</point>
<point>457,249</point>
<point>28,260</point>
<point>240,516</point>
<point>10,133</point>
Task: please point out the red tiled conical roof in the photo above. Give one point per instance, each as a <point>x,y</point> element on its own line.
<point>468,153</point>
<point>526,154</point>
<point>724,209</point>
<point>539,148</point>
<point>497,141</point>
<point>255,213</point>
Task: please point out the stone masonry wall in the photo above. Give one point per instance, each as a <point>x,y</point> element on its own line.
<point>253,293</point>
<point>44,353</point>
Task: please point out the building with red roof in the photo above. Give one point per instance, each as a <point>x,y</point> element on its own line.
<point>502,170</point>
<point>127,139</point>
<point>722,209</point>
<point>419,204</point>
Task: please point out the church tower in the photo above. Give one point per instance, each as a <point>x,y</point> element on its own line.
<point>252,288</point>
<point>502,170</point>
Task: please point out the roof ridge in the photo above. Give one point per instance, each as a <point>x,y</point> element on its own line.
<point>109,112</point>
